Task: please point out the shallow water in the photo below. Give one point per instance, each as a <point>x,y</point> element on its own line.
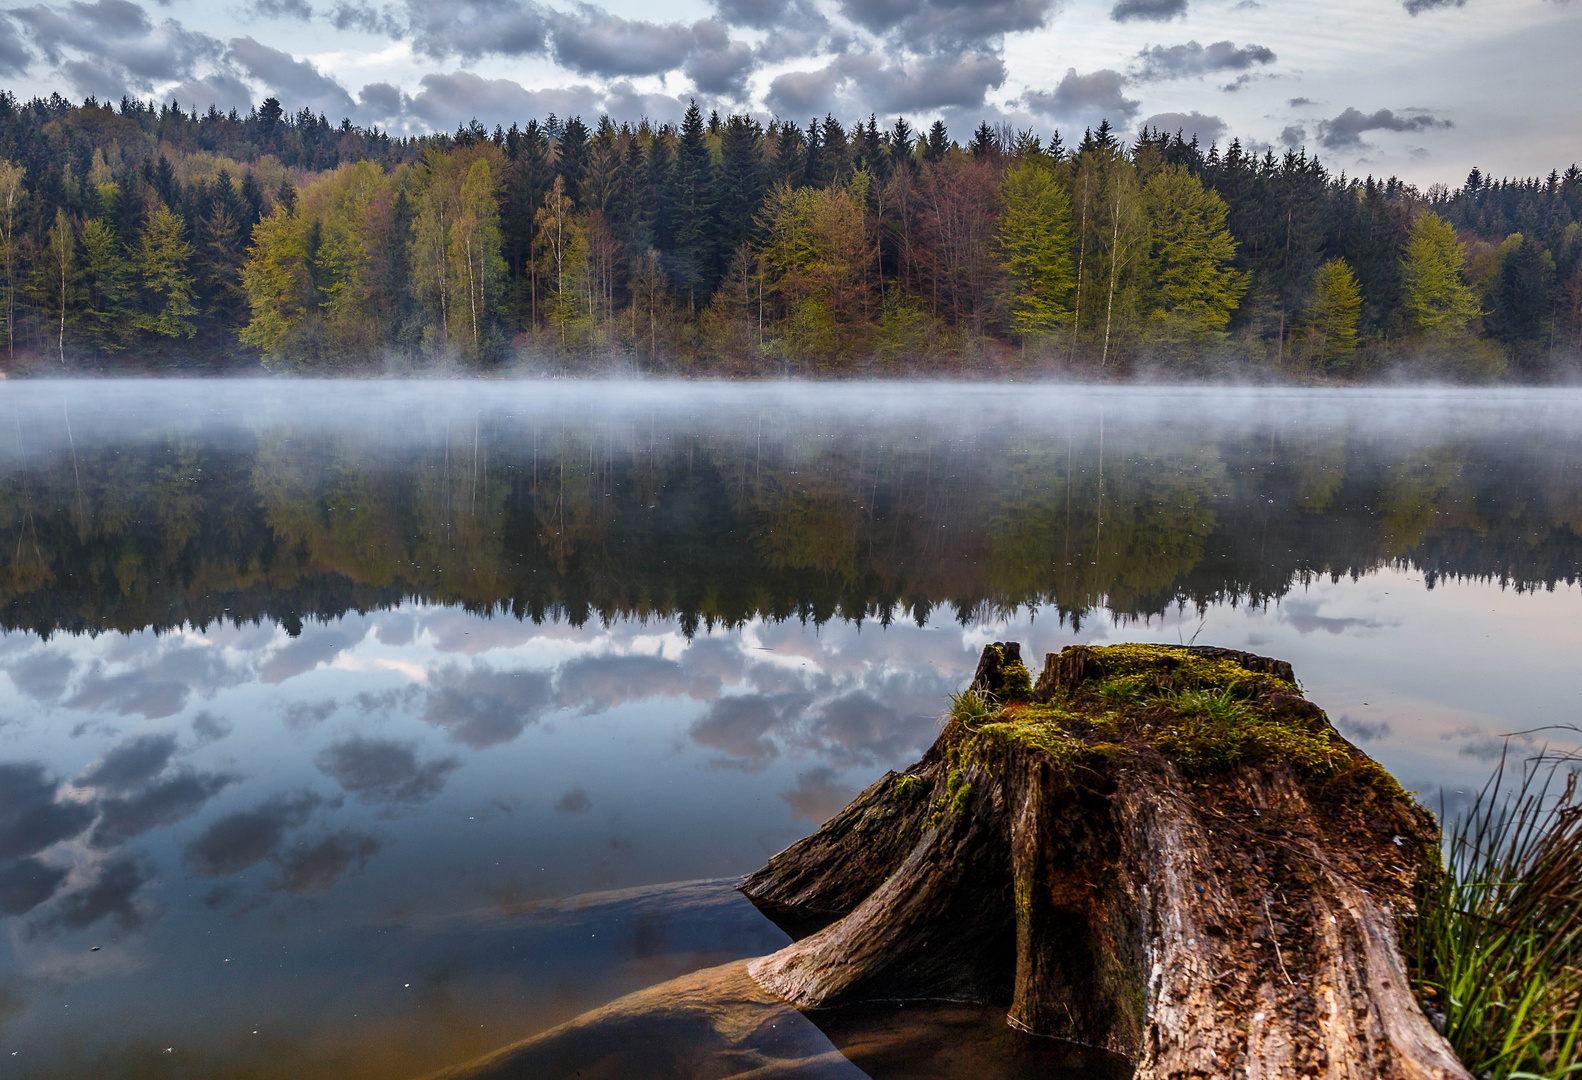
<point>363,728</point>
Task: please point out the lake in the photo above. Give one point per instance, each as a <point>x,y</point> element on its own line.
<point>355,729</point>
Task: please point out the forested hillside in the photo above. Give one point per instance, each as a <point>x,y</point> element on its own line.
<point>138,237</point>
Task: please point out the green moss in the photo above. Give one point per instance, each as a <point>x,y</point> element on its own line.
<point>1018,682</point>
<point>906,788</point>
<point>1204,713</point>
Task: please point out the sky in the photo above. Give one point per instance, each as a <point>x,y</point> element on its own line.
<point>1421,89</point>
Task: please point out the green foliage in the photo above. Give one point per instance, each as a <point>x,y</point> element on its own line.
<point>1034,242</point>
<point>163,262</point>
<point>279,285</point>
<point>1433,296</point>
<point>1498,934</point>
<point>1193,285</point>
<point>1336,307</point>
<point>107,283</point>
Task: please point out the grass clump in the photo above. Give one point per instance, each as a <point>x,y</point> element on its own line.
<point>1498,932</point>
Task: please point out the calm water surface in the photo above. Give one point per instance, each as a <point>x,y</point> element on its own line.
<point>357,729</point>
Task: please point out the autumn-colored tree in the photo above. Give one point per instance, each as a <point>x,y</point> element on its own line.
<point>1335,309</point>
<point>1034,242</point>
<point>12,193</point>
<point>279,286</point>
<point>1433,295</point>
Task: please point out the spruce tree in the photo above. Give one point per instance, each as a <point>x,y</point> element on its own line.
<point>164,267</point>
<point>693,199</point>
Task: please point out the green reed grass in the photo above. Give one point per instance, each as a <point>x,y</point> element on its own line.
<point>1498,935</point>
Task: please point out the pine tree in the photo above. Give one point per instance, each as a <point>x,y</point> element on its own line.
<point>1433,296</point>
<point>694,194</point>
<point>163,261</point>
<point>1034,243</point>
<point>1335,309</point>
<point>107,280</point>
<point>1193,284</point>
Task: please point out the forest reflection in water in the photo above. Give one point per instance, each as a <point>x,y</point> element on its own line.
<point>374,718</point>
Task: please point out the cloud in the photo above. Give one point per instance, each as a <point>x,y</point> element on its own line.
<point>221,88</point>
<point>740,727</point>
<point>162,802</point>
<point>914,85</point>
<point>1417,7</point>
<point>475,28</point>
<point>594,684</point>
<point>817,797</point>
<point>301,83</point>
<point>591,41</point>
<point>1085,98</point>
<point>447,100</point>
<point>31,816</point>
<point>209,728</point>
<point>239,840</point>
<point>575,801</point>
<point>719,65</point>
<point>1346,130</point>
<point>307,652</point>
<point>1208,129</point>
<point>15,57</point>
<point>302,715</point>
<point>113,893</point>
<point>155,689</point>
<point>41,675</point>
<point>27,883</point>
<point>1298,102</point>
<point>281,9</point>
<point>1148,10</point>
<point>771,14</point>
<point>946,25</point>
<point>1180,61</point>
<point>115,42</point>
<point>480,707</point>
<point>129,763</point>
<point>313,868</point>
<point>1293,135</point>
<point>384,770</point>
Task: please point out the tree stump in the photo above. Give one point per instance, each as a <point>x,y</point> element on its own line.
<point>1163,853</point>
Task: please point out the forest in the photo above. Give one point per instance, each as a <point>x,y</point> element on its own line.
<point>144,238</point>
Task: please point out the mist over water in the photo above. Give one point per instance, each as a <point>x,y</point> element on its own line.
<point>377,718</point>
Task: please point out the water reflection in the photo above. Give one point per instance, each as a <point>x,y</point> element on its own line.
<point>379,731</point>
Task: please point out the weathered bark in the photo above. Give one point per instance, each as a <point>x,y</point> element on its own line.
<point>1231,922</point>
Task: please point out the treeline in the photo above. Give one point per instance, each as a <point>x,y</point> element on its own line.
<point>136,235</point>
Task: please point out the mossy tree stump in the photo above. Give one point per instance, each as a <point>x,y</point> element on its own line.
<point>1163,853</point>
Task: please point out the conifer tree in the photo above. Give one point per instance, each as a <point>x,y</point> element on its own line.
<point>1435,299</point>
<point>107,280</point>
<point>1193,285</point>
<point>1336,306</point>
<point>1034,244</point>
<point>163,262</point>
<point>693,203</point>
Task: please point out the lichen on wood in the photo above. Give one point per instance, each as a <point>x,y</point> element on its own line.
<point>1166,854</point>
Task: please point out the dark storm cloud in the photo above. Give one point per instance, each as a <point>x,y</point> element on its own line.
<point>41,675</point>
<point>1085,98</point>
<point>480,707</point>
<point>314,867</point>
<point>947,25</point>
<point>1149,10</point>
<point>446,100</point>
<point>384,770</point>
<point>281,9</point>
<point>112,894</point>
<point>382,101</point>
<point>31,817</point>
<point>1417,7</point>
<point>719,65</point>
<point>1346,130</point>
<point>1208,129</point>
<point>236,841</point>
<point>163,802</point>
<point>314,647</point>
<point>740,727</point>
<point>117,40</point>
<point>474,28</point>
<point>919,84</point>
<point>1179,61</point>
<point>129,763</point>
<point>817,796</point>
<point>26,884</point>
